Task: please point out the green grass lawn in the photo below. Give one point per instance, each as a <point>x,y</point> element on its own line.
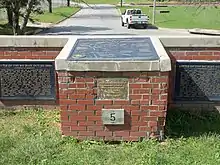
<point>4,29</point>
<point>129,1</point>
<point>113,1</point>
<point>58,14</point>
<point>33,137</point>
<point>185,17</point>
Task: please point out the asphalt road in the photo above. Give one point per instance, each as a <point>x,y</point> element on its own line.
<point>103,19</point>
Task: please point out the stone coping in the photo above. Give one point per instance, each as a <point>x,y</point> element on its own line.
<point>160,42</point>
<point>190,41</point>
<point>60,41</point>
<point>32,41</point>
<point>163,64</point>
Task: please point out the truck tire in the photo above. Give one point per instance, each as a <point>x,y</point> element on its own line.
<point>145,26</point>
<point>122,23</point>
<point>128,26</point>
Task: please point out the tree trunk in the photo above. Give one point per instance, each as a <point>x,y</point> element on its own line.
<point>16,27</point>
<point>10,15</point>
<point>68,3</point>
<point>50,6</point>
<point>26,16</point>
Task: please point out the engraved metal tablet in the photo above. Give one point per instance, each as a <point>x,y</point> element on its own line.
<point>197,81</point>
<point>112,88</point>
<point>27,80</point>
<point>113,49</point>
<point>113,116</point>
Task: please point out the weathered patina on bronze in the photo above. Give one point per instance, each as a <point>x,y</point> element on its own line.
<point>112,88</point>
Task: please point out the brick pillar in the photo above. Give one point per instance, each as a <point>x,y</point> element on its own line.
<point>145,109</point>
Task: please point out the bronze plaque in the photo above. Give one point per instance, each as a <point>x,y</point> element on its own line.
<point>32,80</point>
<point>112,88</point>
<point>197,81</point>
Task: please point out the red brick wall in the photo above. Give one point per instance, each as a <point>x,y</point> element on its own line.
<point>186,53</point>
<point>145,111</point>
<point>29,53</point>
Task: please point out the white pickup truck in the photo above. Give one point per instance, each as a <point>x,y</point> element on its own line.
<point>134,17</point>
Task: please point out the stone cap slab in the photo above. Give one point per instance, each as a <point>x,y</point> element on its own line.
<point>190,41</point>
<point>32,41</point>
<point>158,62</point>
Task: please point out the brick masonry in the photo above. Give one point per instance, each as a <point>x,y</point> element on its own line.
<point>145,110</point>
<point>189,53</point>
<point>37,53</point>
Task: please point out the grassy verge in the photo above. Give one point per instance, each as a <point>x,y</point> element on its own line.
<point>132,1</point>
<point>206,17</point>
<point>113,1</point>
<point>58,14</point>
<point>4,28</point>
<point>33,137</point>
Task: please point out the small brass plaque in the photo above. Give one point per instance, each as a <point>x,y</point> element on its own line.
<point>112,88</point>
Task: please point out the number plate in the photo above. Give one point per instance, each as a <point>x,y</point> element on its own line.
<point>113,116</point>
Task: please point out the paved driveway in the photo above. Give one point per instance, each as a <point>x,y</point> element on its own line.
<point>102,19</point>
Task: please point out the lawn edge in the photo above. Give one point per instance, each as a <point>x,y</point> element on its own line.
<point>34,32</point>
<point>190,30</point>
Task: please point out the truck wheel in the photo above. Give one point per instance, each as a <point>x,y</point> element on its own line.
<point>145,26</point>
<point>128,26</point>
<point>122,23</point>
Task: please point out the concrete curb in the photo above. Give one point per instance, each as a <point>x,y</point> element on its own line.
<point>119,11</point>
<point>34,32</point>
<point>205,32</point>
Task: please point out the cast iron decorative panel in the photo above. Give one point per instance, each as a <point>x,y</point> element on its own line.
<point>197,81</point>
<point>27,80</point>
<point>113,49</point>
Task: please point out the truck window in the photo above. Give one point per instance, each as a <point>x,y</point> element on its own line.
<point>138,11</point>
<point>135,12</point>
<point>128,12</point>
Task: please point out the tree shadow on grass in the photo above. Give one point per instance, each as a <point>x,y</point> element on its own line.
<point>192,123</point>
<point>70,30</point>
<point>5,29</point>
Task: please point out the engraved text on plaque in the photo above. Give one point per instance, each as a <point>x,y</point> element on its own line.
<point>112,88</point>
<point>113,116</point>
<point>27,80</point>
<point>198,81</point>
